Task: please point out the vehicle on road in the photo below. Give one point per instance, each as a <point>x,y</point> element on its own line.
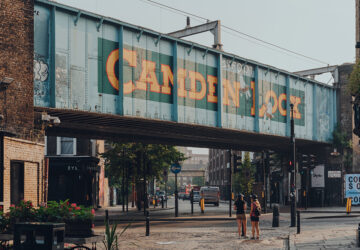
<point>196,197</point>
<point>211,195</point>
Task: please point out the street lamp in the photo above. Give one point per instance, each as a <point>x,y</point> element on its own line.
<point>293,169</point>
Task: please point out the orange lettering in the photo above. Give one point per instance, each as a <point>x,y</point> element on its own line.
<point>211,96</point>
<point>194,78</point>
<point>167,77</point>
<point>229,90</point>
<point>181,82</point>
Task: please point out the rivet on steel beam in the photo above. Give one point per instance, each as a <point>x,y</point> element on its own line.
<point>77,17</point>
<point>189,51</point>
<point>99,24</point>
<point>267,71</point>
<point>206,51</point>
<point>139,35</point>
<point>157,40</point>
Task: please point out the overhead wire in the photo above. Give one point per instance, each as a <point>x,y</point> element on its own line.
<point>249,38</point>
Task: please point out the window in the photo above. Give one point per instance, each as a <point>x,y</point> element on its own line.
<point>66,146</point>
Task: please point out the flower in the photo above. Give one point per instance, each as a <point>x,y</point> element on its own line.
<point>12,205</point>
<point>77,208</point>
<point>93,211</point>
<point>73,205</point>
<point>70,209</point>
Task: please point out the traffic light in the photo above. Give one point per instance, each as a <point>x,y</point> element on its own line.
<point>290,167</point>
<point>237,163</point>
<point>313,162</point>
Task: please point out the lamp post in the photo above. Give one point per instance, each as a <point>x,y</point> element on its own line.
<point>293,170</point>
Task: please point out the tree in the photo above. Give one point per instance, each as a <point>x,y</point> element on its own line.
<point>243,181</point>
<point>134,160</point>
<point>341,142</point>
<point>354,80</point>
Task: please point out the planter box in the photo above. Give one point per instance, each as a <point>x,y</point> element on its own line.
<point>78,228</point>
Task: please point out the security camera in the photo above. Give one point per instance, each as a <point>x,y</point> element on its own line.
<point>56,120</point>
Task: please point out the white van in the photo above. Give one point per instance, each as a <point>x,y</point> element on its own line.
<point>211,195</point>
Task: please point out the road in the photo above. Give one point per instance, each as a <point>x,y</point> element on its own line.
<point>215,230</point>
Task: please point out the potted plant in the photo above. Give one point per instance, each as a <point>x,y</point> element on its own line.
<point>79,221</point>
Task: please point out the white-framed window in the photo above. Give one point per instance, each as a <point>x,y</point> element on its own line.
<point>66,146</point>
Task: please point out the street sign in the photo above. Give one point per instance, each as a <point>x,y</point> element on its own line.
<point>175,168</point>
<point>334,174</point>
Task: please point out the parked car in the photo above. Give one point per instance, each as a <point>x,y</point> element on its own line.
<point>196,197</point>
<point>210,194</point>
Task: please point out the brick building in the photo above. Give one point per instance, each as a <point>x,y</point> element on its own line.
<point>22,167</point>
<point>218,172</point>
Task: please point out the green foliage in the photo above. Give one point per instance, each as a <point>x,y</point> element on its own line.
<point>243,181</point>
<point>198,181</point>
<point>111,238</point>
<point>354,80</point>
<point>4,222</point>
<point>340,139</point>
<point>23,212</point>
<point>138,158</point>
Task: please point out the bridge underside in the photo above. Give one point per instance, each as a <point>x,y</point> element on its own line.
<point>75,123</point>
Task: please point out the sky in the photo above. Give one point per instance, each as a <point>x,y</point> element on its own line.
<point>321,29</point>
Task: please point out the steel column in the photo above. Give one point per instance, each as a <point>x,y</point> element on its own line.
<point>52,58</point>
<point>219,92</point>
<point>256,120</point>
<point>121,71</point>
<point>314,113</point>
<point>287,82</point>
<point>175,115</point>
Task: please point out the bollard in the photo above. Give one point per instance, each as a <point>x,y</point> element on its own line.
<point>147,224</point>
<point>358,236</point>
<point>192,201</point>
<point>276,214</point>
<point>202,206</point>
<point>298,221</point>
<point>107,216</point>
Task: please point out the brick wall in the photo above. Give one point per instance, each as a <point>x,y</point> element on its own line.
<point>17,53</point>
<point>32,155</point>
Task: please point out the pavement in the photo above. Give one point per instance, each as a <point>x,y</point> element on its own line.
<point>321,228</point>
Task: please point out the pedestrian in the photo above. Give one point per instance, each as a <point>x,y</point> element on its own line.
<point>255,212</point>
<point>240,207</point>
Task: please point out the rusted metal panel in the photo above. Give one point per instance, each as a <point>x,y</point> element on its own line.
<point>254,96</point>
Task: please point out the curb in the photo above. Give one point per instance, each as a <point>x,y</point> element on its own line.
<point>101,222</point>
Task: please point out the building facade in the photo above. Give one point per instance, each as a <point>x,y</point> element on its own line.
<point>76,171</point>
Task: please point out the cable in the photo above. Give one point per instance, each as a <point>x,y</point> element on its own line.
<point>175,10</point>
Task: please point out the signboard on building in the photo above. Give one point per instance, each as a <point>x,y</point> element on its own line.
<point>317,177</point>
<point>352,188</point>
<point>334,174</point>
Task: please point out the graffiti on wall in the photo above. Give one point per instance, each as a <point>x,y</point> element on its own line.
<point>41,86</point>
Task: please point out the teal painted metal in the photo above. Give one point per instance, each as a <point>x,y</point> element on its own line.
<point>288,132</point>
<point>52,58</point>
<point>175,117</point>
<point>132,71</point>
<point>314,137</point>
<point>256,74</point>
<point>121,71</point>
<point>219,91</point>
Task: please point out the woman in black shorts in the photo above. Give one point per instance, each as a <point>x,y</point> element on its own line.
<point>254,216</point>
<point>240,207</point>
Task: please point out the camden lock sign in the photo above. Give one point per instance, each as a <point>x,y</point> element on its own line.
<point>150,76</point>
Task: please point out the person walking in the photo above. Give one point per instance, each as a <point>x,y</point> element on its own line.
<point>240,207</point>
<point>255,212</point>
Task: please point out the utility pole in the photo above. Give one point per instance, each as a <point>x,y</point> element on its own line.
<point>229,181</point>
<point>293,169</point>
<point>176,198</point>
